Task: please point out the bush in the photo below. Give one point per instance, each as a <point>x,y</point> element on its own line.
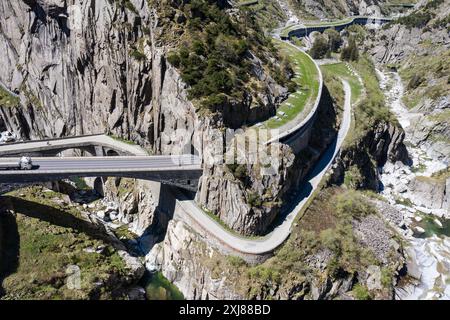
<point>361,292</point>
<point>353,178</point>
<point>386,277</point>
<point>254,200</point>
<point>174,59</point>
<point>264,274</point>
<point>239,171</point>
<point>415,20</point>
<point>138,55</point>
<point>351,204</point>
<point>236,262</point>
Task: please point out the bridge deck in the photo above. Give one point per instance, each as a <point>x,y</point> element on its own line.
<point>102,164</point>
<point>68,143</point>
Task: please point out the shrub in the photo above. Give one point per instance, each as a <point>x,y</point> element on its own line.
<point>353,178</point>
<point>239,171</point>
<point>264,274</point>
<point>174,59</point>
<point>138,55</point>
<point>353,205</point>
<point>361,292</point>
<point>254,200</point>
<point>415,20</point>
<point>386,277</point>
<point>236,261</point>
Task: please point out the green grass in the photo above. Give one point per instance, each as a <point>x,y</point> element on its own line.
<point>307,80</point>
<point>246,3</point>
<point>159,288</point>
<point>80,183</point>
<point>433,71</point>
<point>361,292</point>
<point>340,70</point>
<point>47,237</point>
<point>8,100</point>
<point>372,108</point>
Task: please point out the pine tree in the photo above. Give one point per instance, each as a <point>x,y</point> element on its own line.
<point>350,52</point>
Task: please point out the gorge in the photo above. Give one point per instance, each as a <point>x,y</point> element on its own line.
<point>343,211</point>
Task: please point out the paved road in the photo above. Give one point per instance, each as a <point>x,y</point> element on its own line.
<point>51,144</point>
<point>281,232</point>
<point>109,164</point>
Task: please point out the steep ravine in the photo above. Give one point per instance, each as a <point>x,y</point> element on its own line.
<point>424,203</point>
<point>104,69</point>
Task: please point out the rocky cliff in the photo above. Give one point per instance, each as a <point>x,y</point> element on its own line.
<point>384,142</point>
<point>418,47</point>
<point>336,9</point>
<point>82,67</point>
<point>360,261</point>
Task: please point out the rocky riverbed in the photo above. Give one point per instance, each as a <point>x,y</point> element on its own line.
<point>420,193</point>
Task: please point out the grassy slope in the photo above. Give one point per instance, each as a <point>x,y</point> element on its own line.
<point>372,109</point>
<point>267,12</point>
<point>340,70</point>
<point>159,288</point>
<point>47,249</point>
<point>307,80</point>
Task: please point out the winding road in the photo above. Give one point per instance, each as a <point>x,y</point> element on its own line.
<point>189,209</point>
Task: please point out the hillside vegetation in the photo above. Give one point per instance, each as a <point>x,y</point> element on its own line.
<point>216,54</point>
<point>325,245</point>
<point>43,240</point>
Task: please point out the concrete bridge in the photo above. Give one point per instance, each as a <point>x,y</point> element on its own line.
<point>301,31</point>
<point>182,171</point>
<point>94,145</point>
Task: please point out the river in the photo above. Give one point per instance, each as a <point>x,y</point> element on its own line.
<point>427,235</point>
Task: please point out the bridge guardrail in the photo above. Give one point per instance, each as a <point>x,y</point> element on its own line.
<point>301,31</point>
<point>53,139</point>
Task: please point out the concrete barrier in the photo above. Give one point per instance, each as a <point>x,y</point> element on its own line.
<point>304,31</point>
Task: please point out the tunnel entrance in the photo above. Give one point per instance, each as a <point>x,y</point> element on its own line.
<point>98,186</point>
<point>112,153</point>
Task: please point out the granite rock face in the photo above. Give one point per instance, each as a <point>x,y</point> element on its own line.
<point>96,66</point>
<point>431,193</point>
<point>177,257</point>
<point>331,9</point>
<point>421,54</point>
<point>383,143</point>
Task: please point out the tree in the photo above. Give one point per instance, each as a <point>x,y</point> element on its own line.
<point>350,52</point>
<point>334,40</point>
<point>319,48</point>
